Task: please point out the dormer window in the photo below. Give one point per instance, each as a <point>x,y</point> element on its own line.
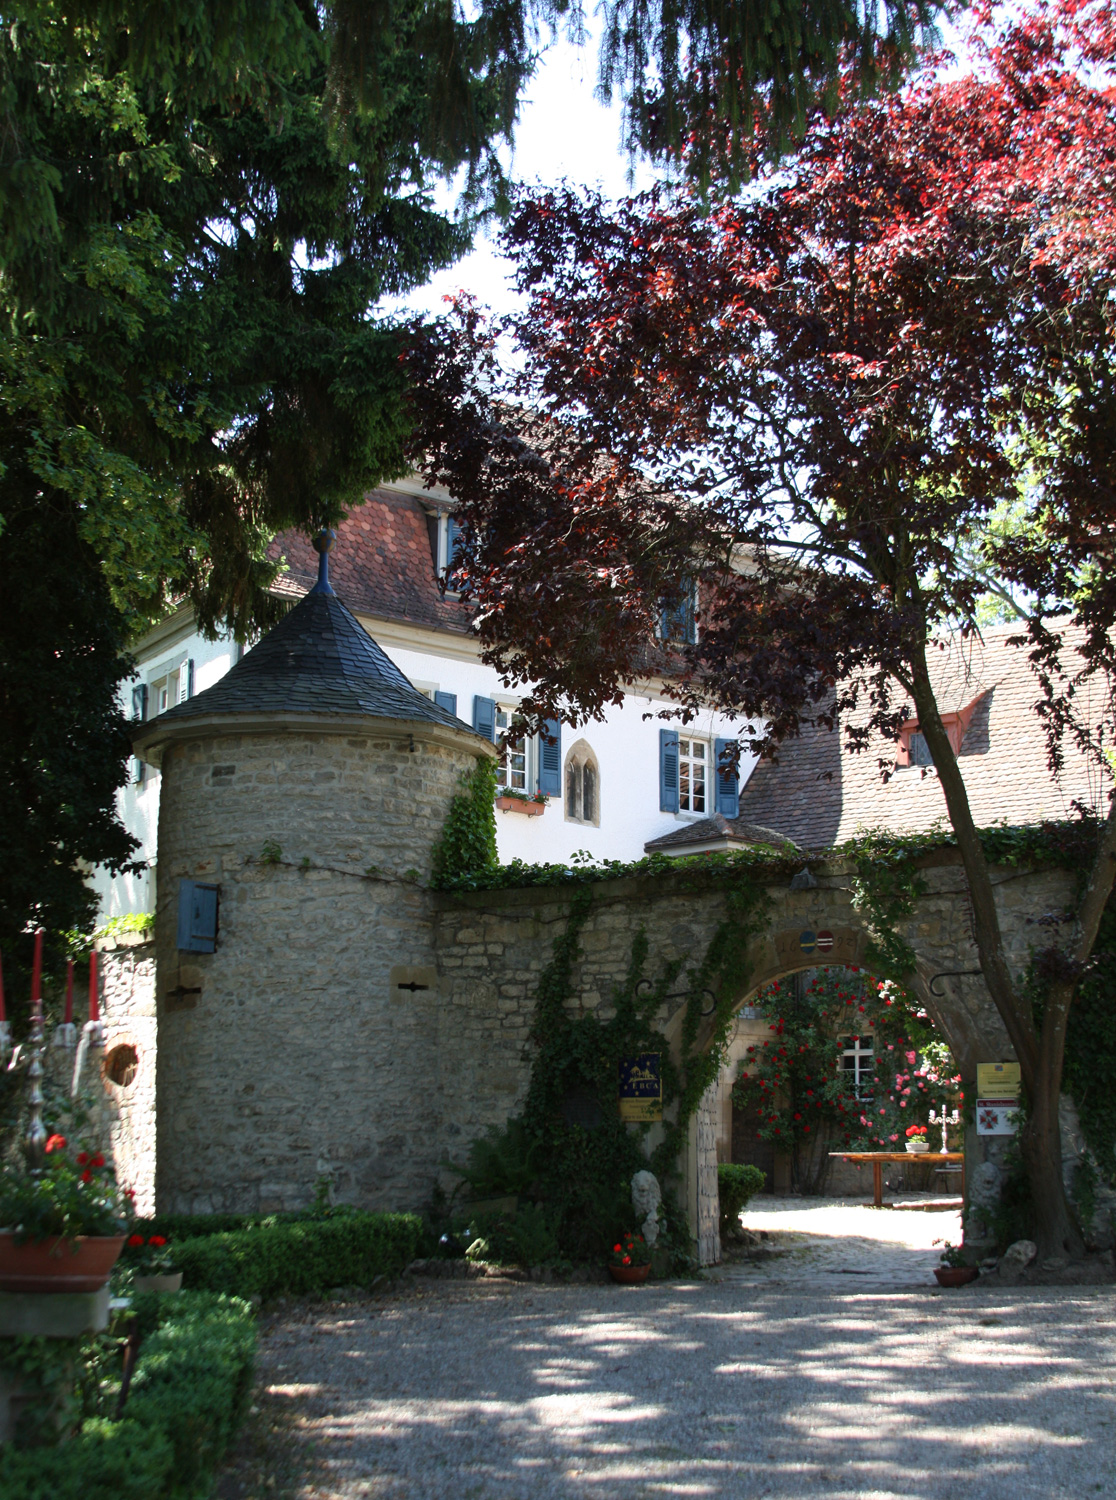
<point>678,621</point>
<point>913,749</point>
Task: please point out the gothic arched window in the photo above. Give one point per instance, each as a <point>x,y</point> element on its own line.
<point>582,783</point>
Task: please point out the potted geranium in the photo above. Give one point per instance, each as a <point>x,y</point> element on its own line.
<point>62,1227</point>
<point>954,1269</point>
<point>630,1259</point>
<point>916,1139</point>
<point>152,1260</point>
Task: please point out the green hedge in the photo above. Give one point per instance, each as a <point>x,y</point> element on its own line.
<point>190,1391</point>
<point>300,1256</point>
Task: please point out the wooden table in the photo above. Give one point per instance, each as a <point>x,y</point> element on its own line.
<point>877,1158</point>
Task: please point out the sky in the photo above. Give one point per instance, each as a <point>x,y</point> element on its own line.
<point>563,132</point>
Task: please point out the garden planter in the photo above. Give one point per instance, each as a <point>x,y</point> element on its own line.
<point>955,1275</point>
<point>917,1147</point>
<point>171,1282</point>
<point>516,804</point>
<point>630,1275</point>
<point>57,1265</point>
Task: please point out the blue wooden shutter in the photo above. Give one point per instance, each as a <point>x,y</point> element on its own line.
<point>728,782</point>
<point>139,702</point>
<point>448,701</point>
<point>197,917</point>
<point>484,717</point>
<point>550,758</point>
<point>668,770</point>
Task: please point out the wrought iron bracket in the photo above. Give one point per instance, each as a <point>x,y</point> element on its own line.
<point>951,974</point>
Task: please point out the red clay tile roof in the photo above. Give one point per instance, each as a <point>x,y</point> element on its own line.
<point>382,564</point>
<point>1003,758</point>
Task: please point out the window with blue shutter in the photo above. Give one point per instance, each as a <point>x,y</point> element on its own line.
<point>448,701</point>
<point>550,758</point>
<point>484,717</point>
<point>139,714</point>
<point>189,683</point>
<point>197,917</point>
<point>454,532</point>
<point>728,782</point>
<point>668,770</point>
<point>678,622</point>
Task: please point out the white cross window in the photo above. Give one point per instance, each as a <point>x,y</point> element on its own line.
<point>513,759</point>
<point>693,758</point>
<point>858,1057</point>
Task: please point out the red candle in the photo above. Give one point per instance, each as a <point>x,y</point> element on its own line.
<point>37,968</point>
<point>94,1010</point>
<point>69,1016</point>
<point>3,1014</point>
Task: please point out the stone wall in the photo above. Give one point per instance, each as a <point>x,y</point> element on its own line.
<point>356,1026</point>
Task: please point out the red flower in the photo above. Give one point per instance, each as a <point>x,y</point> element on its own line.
<point>87,1175</point>
<point>616,1249</point>
<point>627,1260</point>
<point>97,1161</point>
<point>55,1143</point>
<point>157,1239</point>
<point>135,1240</point>
<point>82,1158</point>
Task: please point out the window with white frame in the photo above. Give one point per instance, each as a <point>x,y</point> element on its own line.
<point>164,693</point>
<point>512,770</point>
<point>858,1063</point>
<point>693,771</point>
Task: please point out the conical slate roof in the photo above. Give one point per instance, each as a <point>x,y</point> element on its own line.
<point>318,660</point>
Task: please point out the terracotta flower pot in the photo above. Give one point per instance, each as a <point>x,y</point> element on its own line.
<point>518,804</point>
<point>955,1275</point>
<point>58,1265</point>
<point>630,1275</point>
<point>915,1147</point>
<point>171,1282</point>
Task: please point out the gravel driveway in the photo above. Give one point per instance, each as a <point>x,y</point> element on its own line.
<point>506,1391</point>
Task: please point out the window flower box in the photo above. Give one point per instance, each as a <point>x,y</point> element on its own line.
<point>534,807</point>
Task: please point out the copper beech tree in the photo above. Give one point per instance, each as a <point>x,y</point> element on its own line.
<point>812,400</point>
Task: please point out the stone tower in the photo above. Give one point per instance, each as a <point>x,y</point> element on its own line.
<point>297,998</point>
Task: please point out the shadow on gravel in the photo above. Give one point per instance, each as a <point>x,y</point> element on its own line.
<point>697,1390</point>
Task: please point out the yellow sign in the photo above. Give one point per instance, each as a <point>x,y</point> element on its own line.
<point>998,1080</point>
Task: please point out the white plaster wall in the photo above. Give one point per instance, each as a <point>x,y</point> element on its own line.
<point>625,743</point>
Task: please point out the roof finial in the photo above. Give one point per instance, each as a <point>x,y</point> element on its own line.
<point>322,543</point>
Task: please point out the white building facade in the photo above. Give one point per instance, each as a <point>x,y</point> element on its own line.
<point>611,786</point>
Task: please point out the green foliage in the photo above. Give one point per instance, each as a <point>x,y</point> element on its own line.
<point>189,1394</point>
<point>300,1256</point>
<point>132,921</point>
<point>1090,1065</point>
<point>737,1184</point>
<point>271,853</point>
<point>502,1162</point>
<point>72,1196</point>
<point>523,1238</point>
<point>466,848</point>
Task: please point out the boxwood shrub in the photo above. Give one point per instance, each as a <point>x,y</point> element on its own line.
<point>190,1391</point>
<point>300,1256</point>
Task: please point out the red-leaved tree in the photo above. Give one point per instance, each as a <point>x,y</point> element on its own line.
<point>813,399</point>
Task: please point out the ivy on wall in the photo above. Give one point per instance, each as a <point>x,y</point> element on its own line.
<point>568,1152</point>
<point>467,845</point>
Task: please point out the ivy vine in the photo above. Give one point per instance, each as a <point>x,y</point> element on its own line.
<point>466,847</point>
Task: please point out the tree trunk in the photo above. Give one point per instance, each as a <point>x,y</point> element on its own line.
<point>1040,1060</point>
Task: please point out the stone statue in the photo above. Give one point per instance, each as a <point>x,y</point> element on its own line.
<point>646,1197</point>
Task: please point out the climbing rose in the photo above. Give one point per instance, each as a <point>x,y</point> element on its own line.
<point>55,1143</point>
<point>627,1260</point>
<point>135,1240</point>
<point>82,1159</point>
<point>87,1175</point>
<point>157,1239</point>
<point>97,1161</point>
<point>616,1249</point>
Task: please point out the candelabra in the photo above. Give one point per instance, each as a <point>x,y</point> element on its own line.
<point>945,1119</point>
